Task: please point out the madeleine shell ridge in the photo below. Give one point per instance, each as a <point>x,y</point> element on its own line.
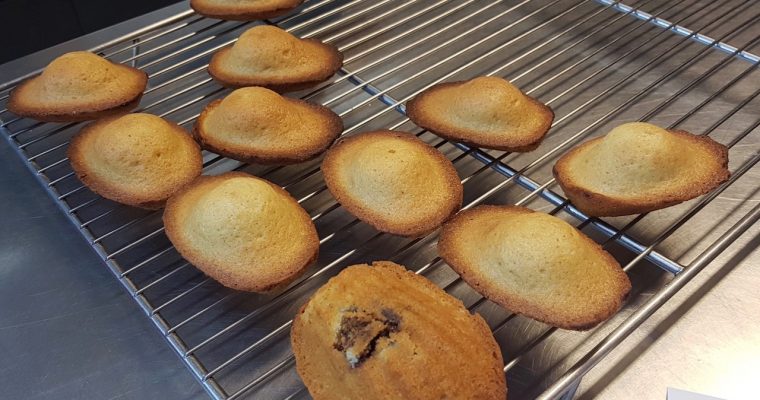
<point>638,168</point>
<point>136,159</point>
<point>270,57</point>
<point>245,232</point>
<point>257,125</point>
<point>78,86</point>
<point>393,181</point>
<point>534,264</point>
<point>486,112</point>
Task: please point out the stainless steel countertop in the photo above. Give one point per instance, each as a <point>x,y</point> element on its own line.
<point>68,330</point>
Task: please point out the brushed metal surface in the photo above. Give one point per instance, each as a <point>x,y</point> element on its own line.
<point>67,328</point>
<point>688,344</point>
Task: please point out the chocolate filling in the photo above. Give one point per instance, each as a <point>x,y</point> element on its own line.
<point>360,332</point>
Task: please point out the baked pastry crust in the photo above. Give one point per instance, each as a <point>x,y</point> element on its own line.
<point>257,125</point>
<point>268,56</point>
<point>246,10</point>
<point>534,264</point>
<point>382,332</point>
<point>639,167</point>
<point>79,86</point>
<point>245,232</point>
<point>393,181</point>
<point>485,112</point>
<point>135,159</point>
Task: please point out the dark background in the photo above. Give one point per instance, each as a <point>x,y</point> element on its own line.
<point>30,25</point>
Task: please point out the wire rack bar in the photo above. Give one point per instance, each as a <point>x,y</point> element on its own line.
<point>376,35</point>
<point>208,80</point>
<point>187,60</point>
<point>683,31</point>
<point>201,98</point>
<point>673,227</point>
<point>652,305</point>
<point>283,328</point>
<point>177,344</point>
<point>115,41</point>
<point>437,261</point>
<point>398,104</point>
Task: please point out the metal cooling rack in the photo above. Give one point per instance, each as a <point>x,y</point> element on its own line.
<point>689,64</point>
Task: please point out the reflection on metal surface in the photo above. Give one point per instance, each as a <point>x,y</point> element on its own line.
<point>595,64</point>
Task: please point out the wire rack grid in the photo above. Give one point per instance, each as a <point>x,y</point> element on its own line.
<point>596,63</point>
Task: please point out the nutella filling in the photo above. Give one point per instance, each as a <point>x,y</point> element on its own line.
<point>360,331</point>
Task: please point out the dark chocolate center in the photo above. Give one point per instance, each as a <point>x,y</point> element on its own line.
<point>360,331</point>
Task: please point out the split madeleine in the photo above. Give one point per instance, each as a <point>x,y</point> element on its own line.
<point>382,332</point>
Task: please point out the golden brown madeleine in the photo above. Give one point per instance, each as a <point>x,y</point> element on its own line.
<point>243,231</point>
<point>257,125</point>
<point>485,112</point>
<point>393,181</point>
<point>135,159</point>
<point>534,264</point>
<point>79,86</point>
<point>270,57</point>
<point>639,167</point>
<point>243,10</point>
<point>382,332</point>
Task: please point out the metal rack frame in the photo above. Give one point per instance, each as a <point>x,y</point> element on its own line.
<point>396,49</point>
